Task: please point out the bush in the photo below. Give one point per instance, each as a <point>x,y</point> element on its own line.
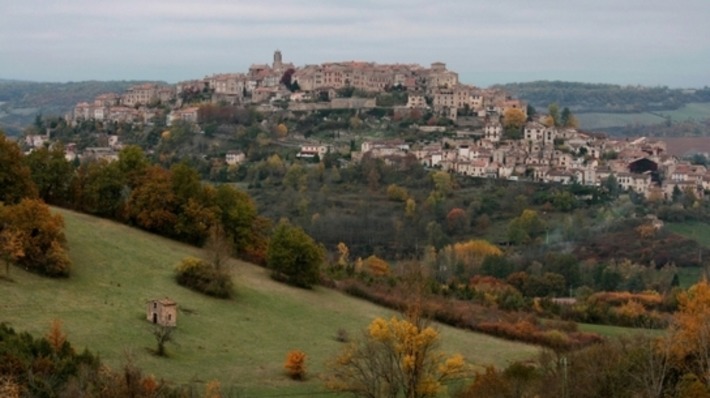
<point>296,364</point>
<point>204,278</point>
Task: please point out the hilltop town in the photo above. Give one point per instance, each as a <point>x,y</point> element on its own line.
<point>467,130</point>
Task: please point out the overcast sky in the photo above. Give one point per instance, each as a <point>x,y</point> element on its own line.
<point>649,42</point>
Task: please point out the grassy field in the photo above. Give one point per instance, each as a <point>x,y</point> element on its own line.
<point>616,331</point>
<point>240,342</point>
<point>698,231</point>
<point>697,111</point>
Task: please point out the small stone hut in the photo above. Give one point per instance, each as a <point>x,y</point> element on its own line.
<point>162,312</point>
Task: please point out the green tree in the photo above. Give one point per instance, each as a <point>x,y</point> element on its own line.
<point>526,228</point>
<point>52,173</point>
<point>15,176</point>
<point>238,216</point>
<point>294,256</point>
<point>133,164</point>
<point>103,192</point>
<point>553,111</point>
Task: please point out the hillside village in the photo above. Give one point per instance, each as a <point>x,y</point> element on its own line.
<point>474,140</point>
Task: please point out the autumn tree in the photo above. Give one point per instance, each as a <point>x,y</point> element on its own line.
<point>56,336</point>
<point>293,256</point>
<point>35,236</point>
<point>396,193</point>
<point>376,266</point>
<point>295,364</point>
<point>513,121</point>
<point>456,221</point>
<point>152,204</point>
<point>396,357</point>
<point>15,177</point>
<point>691,330</point>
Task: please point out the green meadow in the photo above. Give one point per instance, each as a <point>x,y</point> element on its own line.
<point>241,342</point>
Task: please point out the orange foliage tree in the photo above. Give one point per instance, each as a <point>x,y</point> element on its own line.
<point>295,364</point>
<point>35,236</point>
<point>56,337</point>
<point>691,330</point>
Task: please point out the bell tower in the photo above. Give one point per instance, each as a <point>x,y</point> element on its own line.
<point>277,60</point>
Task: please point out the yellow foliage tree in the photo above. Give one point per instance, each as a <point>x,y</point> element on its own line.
<point>343,255</point>
<point>281,130</point>
<point>377,266</point>
<point>397,357</point>
<point>513,118</point>
<point>691,330</point>
<point>476,249</point>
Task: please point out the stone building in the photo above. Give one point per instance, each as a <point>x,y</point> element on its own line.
<point>162,312</point>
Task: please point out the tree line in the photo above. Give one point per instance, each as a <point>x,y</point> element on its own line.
<point>589,97</point>
<point>170,202</point>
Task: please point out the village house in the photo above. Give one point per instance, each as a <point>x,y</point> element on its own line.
<point>188,115</point>
<point>234,158</point>
<point>162,312</point>
<point>309,151</point>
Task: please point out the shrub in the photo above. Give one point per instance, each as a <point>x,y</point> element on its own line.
<point>296,364</point>
<point>204,278</point>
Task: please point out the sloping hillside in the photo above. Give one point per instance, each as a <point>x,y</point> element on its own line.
<point>241,342</point>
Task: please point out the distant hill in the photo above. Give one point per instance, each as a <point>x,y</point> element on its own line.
<point>589,97</point>
<point>21,101</point>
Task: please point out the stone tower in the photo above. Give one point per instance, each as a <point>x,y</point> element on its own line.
<point>277,60</point>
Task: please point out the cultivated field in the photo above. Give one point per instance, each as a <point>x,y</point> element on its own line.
<point>240,342</point>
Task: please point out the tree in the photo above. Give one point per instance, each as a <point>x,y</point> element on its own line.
<point>513,119</point>
<point>52,173</point>
<point>295,364</point>
<point>553,111</point>
<point>294,256</point>
<point>396,357</point>
<point>163,334</point>
<point>238,216</point>
<point>152,204</point>
<point>56,336</point>
<point>691,330</point>
<point>567,119</point>
<point>102,189</point>
<point>15,176</point>
<point>526,227</point>
<point>133,164</point>
<point>35,236</point>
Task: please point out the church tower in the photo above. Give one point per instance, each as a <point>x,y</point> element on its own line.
<point>277,60</point>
